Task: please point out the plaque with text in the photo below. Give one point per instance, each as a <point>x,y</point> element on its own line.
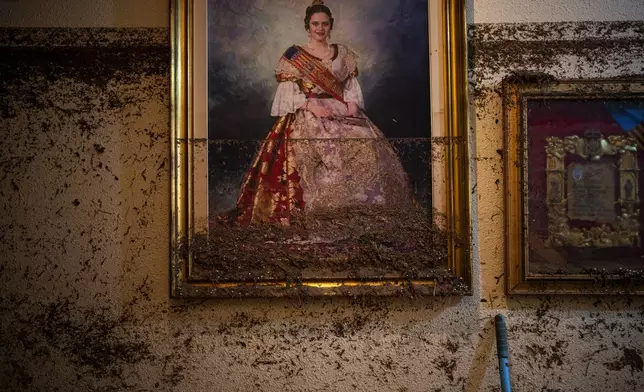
<point>585,212</point>
<point>591,192</point>
<point>575,222</point>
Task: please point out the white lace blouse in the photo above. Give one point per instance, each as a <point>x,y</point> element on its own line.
<point>289,97</point>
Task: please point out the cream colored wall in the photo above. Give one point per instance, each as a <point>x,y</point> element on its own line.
<point>90,281</point>
<point>154,13</point>
<point>522,11</point>
<point>487,114</point>
<point>100,13</point>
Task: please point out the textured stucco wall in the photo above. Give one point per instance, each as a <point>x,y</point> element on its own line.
<point>68,13</point>
<point>84,158</point>
<point>154,13</point>
<point>527,11</point>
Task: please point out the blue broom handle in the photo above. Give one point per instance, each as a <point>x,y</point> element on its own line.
<point>503,352</point>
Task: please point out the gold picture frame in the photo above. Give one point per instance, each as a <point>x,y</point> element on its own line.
<point>574,215</point>
<point>449,177</point>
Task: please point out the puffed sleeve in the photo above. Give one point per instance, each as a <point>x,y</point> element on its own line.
<point>288,98</point>
<point>353,92</point>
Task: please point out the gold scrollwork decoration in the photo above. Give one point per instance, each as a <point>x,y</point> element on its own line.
<point>624,229</point>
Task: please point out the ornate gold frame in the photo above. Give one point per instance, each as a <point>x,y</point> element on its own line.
<point>448,73</point>
<point>626,231</point>
<point>623,147</point>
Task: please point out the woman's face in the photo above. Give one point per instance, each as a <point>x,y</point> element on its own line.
<point>320,26</point>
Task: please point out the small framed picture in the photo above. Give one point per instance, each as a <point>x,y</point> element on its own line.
<point>574,208</point>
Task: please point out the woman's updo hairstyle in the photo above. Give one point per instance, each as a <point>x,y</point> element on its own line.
<point>316,7</point>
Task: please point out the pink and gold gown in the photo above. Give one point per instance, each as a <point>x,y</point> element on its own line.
<point>308,163</point>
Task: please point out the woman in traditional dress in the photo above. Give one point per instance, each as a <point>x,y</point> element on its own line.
<point>323,153</point>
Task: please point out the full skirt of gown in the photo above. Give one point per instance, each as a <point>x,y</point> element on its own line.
<point>308,164</point>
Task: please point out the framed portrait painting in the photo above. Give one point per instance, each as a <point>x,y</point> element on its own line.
<point>574,215</point>
<point>319,148</point>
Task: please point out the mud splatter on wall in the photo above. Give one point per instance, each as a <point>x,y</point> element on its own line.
<point>559,340</point>
<point>84,215</point>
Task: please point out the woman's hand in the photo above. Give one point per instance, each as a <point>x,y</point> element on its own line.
<point>352,108</point>
<point>319,111</point>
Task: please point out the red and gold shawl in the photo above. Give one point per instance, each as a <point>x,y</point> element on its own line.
<point>308,71</point>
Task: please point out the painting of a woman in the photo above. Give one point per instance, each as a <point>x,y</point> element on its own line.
<point>323,152</point>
